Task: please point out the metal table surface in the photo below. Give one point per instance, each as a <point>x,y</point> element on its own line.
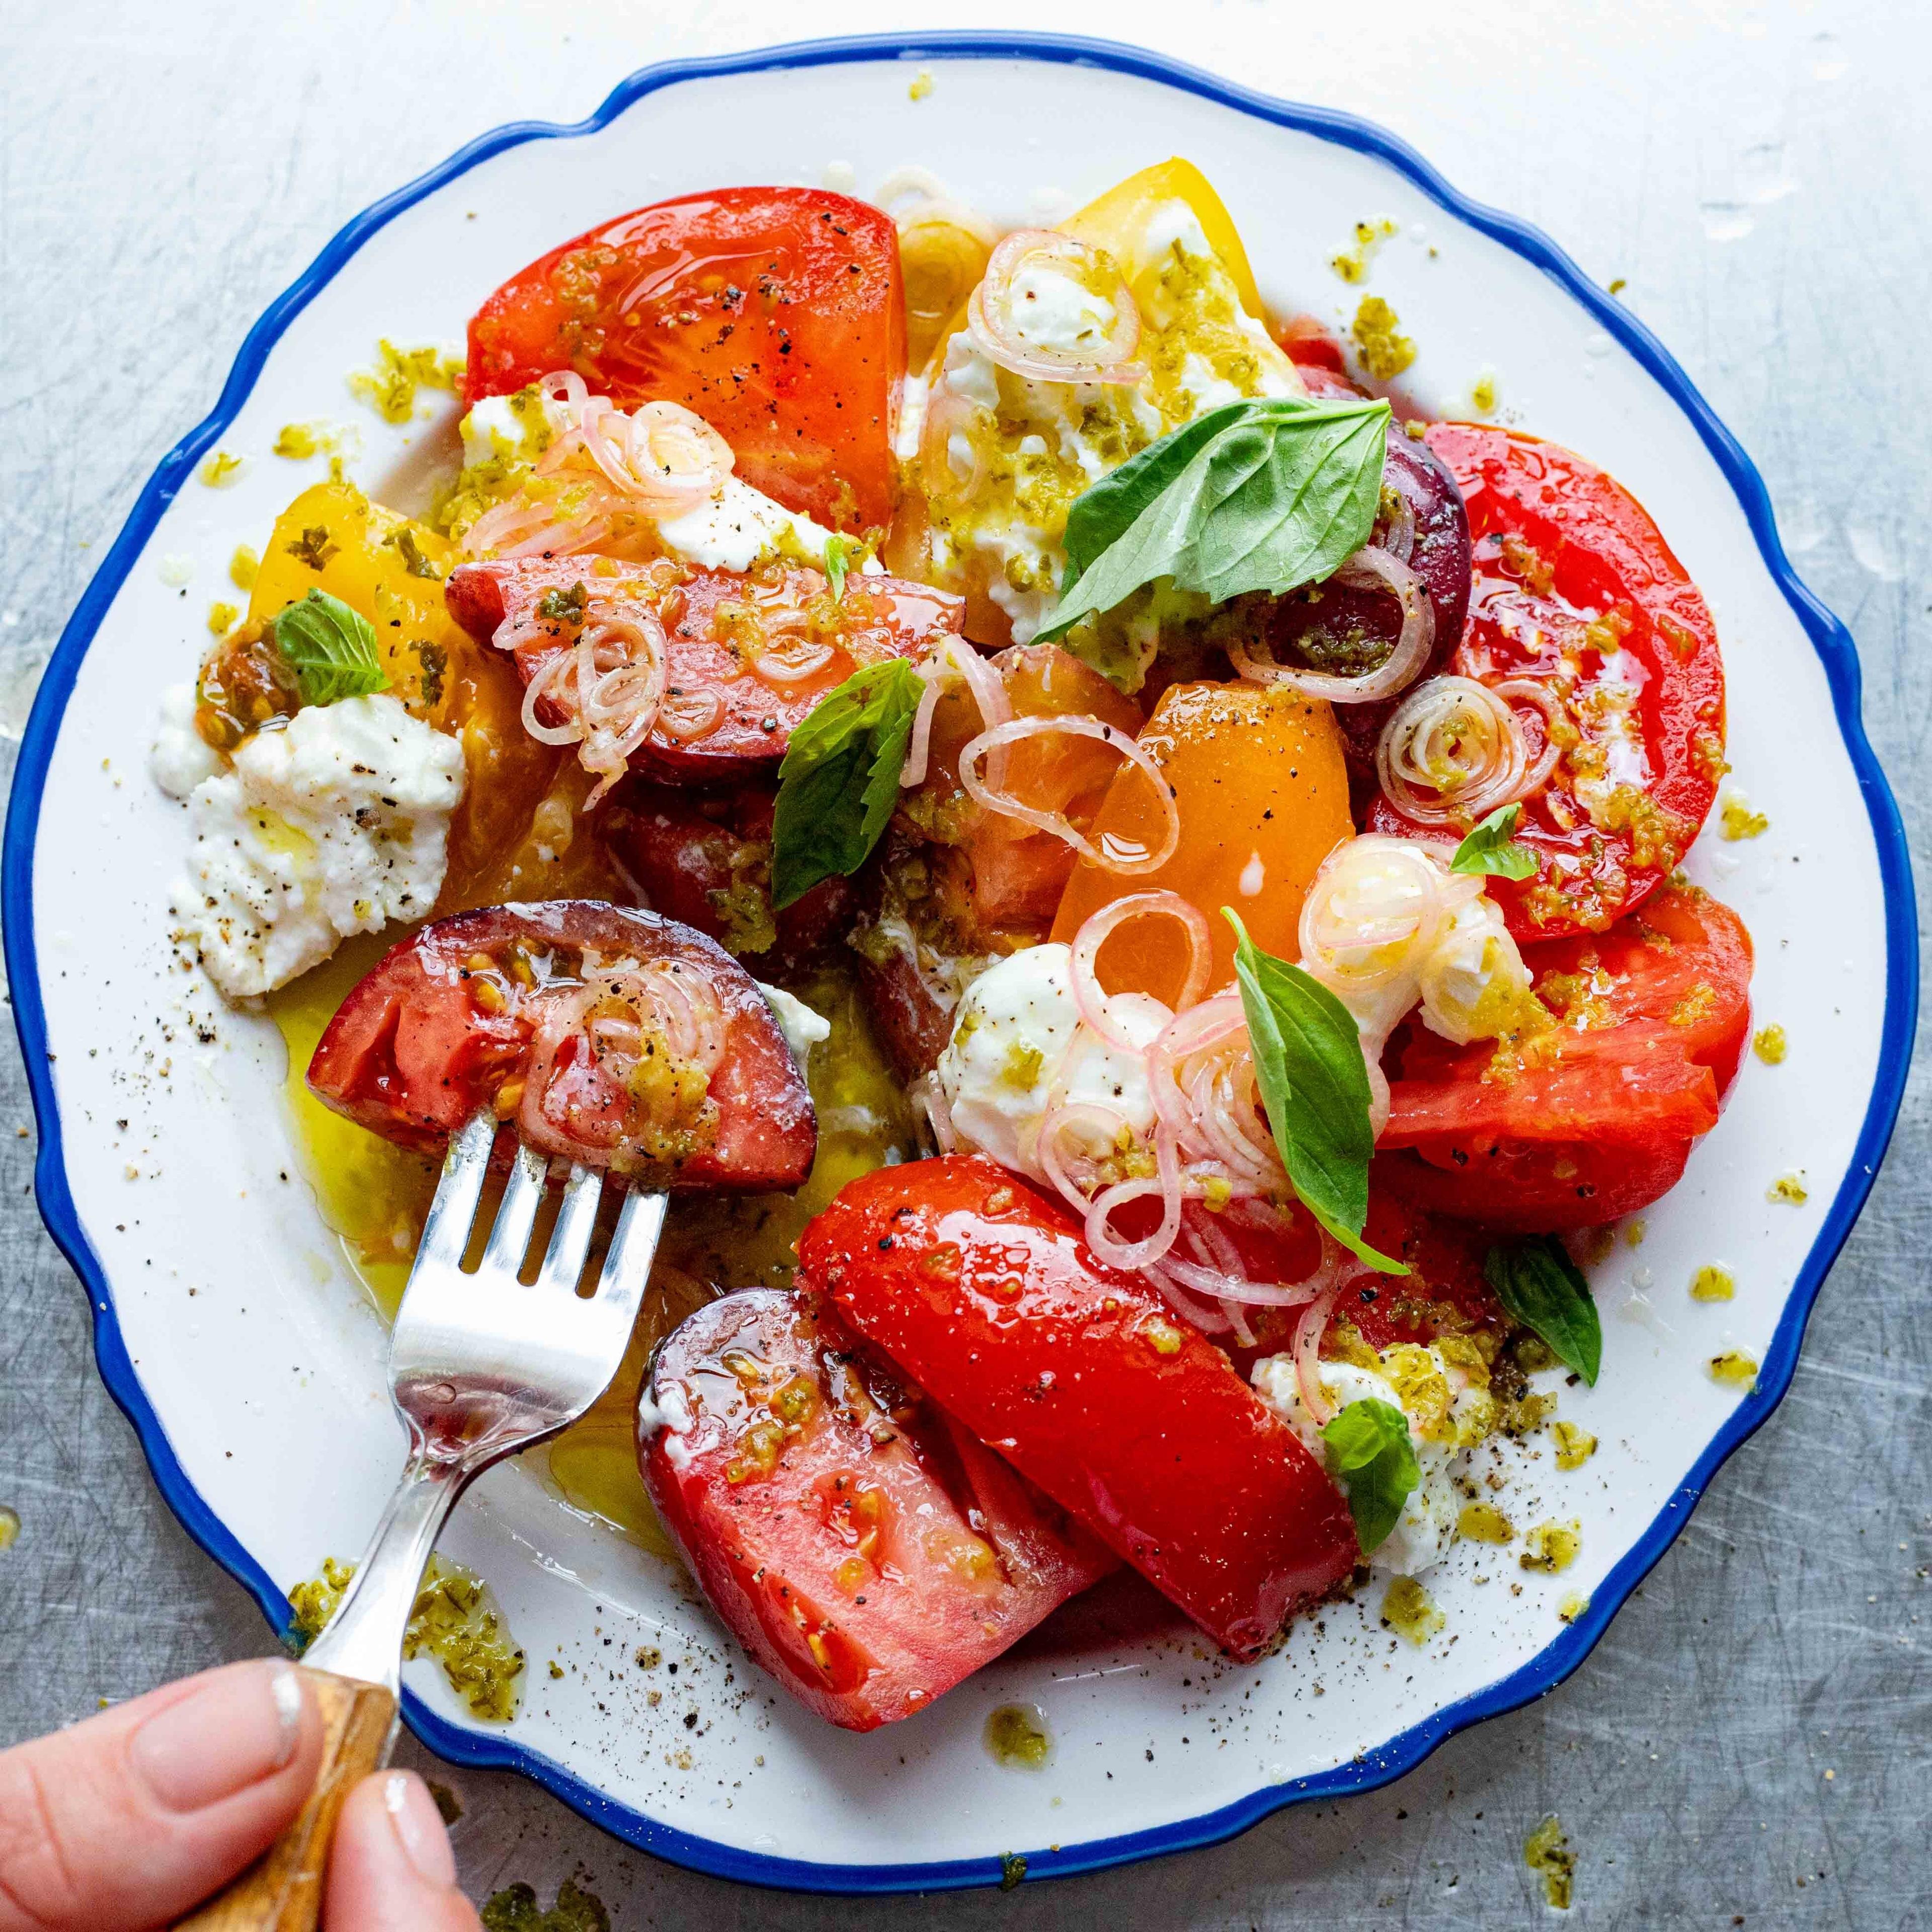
<point>1751,1742</point>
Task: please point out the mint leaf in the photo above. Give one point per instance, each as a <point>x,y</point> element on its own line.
<point>1539,1286</point>
<point>1314,1084</point>
<point>330,648</point>
<point>838,560</point>
<point>840,778</point>
<point>1371,1455</point>
<point>1254,496</point>
<point>1490,848</point>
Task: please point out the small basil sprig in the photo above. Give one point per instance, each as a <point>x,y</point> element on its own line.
<point>1254,496</point>
<point>1371,1455</point>
<point>331,649</point>
<point>837,561</point>
<point>1314,1084</point>
<point>840,778</point>
<point>1539,1286</point>
<point>1491,848</point>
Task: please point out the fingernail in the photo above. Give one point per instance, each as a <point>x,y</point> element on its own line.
<point>238,1727</point>
<point>419,1826</point>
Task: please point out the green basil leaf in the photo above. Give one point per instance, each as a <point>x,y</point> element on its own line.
<point>1371,1455</point>
<point>1539,1286</point>
<point>1254,496</point>
<point>1490,848</point>
<point>331,649</point>
<point>1314,1084</point>
<point>840,778</point>
<point>838,560</point>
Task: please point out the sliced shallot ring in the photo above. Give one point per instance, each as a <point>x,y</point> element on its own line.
<point>1080,726</point>
<point>989,694</point>
<point>989,320</point>
<point>1093,1001</point>
<point>1371,569</point>
<point>1453,750</point>
<point>1308,1333</point>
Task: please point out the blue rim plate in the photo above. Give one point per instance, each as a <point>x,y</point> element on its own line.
<point>1828,636</point>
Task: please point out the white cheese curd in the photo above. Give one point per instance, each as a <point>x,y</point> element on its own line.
<point>969,374</point>
<point>495,428</point>
<point>802,1027</point>
<point>1010,1038</point>
<point>1427,1525</point>
<point>182,757</point>
<point>1174,221</point>
<point>672,1415</point>
<point>1048,310</point>
<point>1474,977</point>
<point>739,525</point>
<point>912,419</point>
<point>335,824</point>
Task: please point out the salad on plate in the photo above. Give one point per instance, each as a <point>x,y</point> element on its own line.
<point>1128,877</point>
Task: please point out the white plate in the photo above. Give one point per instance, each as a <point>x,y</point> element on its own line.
<point>230,1329</point>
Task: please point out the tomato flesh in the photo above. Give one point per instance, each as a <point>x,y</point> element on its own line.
<point>983,1292</point>
<point>865,1549</point>
<point>1595,1118</point>
<point>706,862</point>
<point>714,622</point>
<point>776,314</point>
<point>531,1008</point>
<point>1575,589</point>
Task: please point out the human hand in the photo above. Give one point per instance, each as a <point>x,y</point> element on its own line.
<point>128,1821</point>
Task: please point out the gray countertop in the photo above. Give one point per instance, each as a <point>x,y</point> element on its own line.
<point>1752,1742</point>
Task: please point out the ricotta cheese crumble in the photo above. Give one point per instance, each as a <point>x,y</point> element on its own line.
<point>334,824</point>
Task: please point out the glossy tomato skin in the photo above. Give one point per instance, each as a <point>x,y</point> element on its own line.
<point>867,1550</point>
<point>1595,1118</point>
<point>878,617</point>
<point>432,1033</point>
<point>706,862</point>
<point>984,1292</point>
<point>776,314</point>
<point>1573,581</point>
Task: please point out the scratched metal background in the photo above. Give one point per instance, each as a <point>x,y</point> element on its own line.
<point>1752,1744</point>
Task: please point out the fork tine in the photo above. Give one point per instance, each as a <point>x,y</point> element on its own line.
<point>633,1248</point>
<point>446,1231</point>
<point>570,1241</point>
<point>510,1238</point>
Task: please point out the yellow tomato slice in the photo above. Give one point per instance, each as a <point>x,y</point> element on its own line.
<point>1263,794</point>
<point>1119,221</point>
<point>390,569</point>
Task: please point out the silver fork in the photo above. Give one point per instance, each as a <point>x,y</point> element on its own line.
<point>480,1366</point>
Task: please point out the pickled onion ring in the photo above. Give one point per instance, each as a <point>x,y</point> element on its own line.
<point>996,331</point>
<point>1015,730</point>
<point>1371,569</point>
<point>1093,1001</point>
<point>1454,750</point>
<point>1308,1333</point>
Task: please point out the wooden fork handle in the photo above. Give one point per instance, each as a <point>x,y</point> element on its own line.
<point>281,1892</point>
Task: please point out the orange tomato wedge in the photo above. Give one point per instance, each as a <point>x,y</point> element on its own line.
<point>1263,795</point>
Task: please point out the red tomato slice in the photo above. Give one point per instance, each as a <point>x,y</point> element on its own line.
<point>707,862</point>
<point>1576,588</point>
<point>775,312</point>
<point>1595,1118</point>
<point>983,1292</point>
<point>604,1035</point>
<point>861,1546</point>
<point>714,620</point>
<point>1444,1291</point>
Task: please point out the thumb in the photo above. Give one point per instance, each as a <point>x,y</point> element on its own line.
<point>391,1868</point>
<point>125,1821</point>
